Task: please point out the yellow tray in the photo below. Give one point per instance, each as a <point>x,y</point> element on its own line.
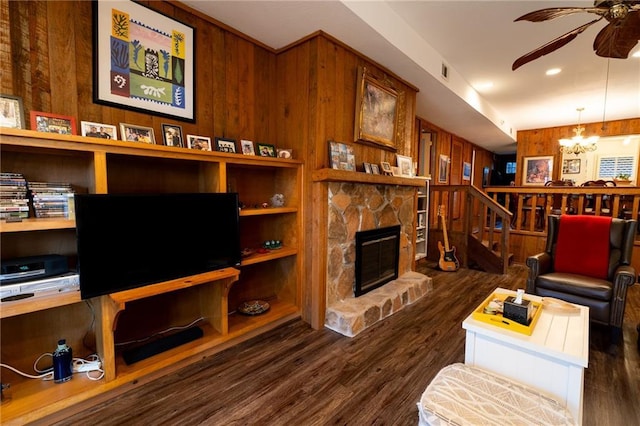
<point>499,321</point>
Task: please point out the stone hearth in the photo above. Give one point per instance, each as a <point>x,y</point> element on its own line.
<point>354,314</point>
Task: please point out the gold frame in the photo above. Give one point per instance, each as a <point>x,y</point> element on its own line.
<point>376,111</point>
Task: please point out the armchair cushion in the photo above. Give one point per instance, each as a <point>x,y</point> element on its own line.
<point>575,234</point>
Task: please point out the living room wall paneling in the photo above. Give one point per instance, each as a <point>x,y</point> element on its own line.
<point>51,69</point>
<point>296,112</point>
<point>28,65</point>
<point>6,82</point>
<point>540,142</point>
<point>63,69</point>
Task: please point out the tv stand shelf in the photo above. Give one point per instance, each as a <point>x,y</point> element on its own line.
<point>100,166</point>
<point>214,308</point>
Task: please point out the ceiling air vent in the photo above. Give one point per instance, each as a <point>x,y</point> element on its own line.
<point>445,71</point>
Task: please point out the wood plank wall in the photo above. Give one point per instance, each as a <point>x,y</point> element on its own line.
<point>539,142</point>
<point>46,52</point>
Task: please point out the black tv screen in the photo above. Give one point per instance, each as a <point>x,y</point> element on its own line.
<point>128,241</point>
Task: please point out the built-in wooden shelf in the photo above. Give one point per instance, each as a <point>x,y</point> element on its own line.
<point>333,175</point>
<point>123,297</point>
<point>268,210</point>
<point>38,303</point>
<point>35,224</point>
<point>270,255</point>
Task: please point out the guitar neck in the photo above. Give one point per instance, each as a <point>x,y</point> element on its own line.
<point>444,233</point>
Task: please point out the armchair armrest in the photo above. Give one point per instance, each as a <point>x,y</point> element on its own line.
<point>538,264</point>
<point>624,277</point>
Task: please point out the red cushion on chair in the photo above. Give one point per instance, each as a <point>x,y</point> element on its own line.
<point>582,246</point>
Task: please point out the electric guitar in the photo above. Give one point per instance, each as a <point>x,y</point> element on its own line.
<point>448,260</point>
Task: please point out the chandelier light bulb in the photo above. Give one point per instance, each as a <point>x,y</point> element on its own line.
<point>578,144</point>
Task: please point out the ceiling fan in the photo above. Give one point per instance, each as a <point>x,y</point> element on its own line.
<point>615,40</point>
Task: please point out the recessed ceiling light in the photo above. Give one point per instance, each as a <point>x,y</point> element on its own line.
<point>553,71</point>
<point>483,86</point>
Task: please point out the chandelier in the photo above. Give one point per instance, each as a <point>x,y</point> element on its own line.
<point>578,144</point>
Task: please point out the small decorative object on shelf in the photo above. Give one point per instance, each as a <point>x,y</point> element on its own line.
<point>277,200</point>
<point>254,307</point>
<point>246,252</point>
<point>284,153</point>
<point>272,244</point>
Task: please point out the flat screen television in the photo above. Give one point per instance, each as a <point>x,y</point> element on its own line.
<point>128,241</point>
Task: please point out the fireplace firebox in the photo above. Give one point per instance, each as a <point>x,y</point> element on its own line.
<point>377,252</point>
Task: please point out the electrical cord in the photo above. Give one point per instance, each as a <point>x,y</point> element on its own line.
<point>161,333</point>
<point>89,365</point>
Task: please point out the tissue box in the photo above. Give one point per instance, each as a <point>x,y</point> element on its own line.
<point>520,313</point>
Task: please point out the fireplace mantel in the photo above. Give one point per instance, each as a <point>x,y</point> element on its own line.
<point>333,175</point>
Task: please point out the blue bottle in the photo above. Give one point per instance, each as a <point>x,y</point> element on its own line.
<point>62,362</point>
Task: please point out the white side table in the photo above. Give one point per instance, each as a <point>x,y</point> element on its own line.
<point>551,360</point>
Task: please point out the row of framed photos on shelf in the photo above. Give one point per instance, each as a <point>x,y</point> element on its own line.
<point>341,157</point>
<point>11,115</point>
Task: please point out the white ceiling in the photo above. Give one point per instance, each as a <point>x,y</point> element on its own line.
<point>478,41</point>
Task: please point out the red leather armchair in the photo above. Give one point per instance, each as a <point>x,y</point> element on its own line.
<point>606,298</point>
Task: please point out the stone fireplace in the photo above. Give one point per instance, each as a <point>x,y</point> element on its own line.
<point>355,207</point>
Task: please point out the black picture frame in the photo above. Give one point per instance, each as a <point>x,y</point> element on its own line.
<point>161,81</point>
<point>266,150</point>
<point>225,145</point>
<point>172,135</point>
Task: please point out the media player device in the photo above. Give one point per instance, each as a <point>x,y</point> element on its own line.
<point>32,268</point>
<point>69,281</point>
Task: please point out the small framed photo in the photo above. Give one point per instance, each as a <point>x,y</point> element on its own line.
<point>395,171</point>
<point>53,123</point>
<point>285,153</point>
<point>201,143</point>
<point>98,130</point>
<point>11,112</point>
<point>225,145</point>
<point>247,147</point>
<point>375,169</point>
<point>132,133</point>
<point>466,171</point>
<point>571,166</point>
<point>341,156</point>
<point>266,150</point>
<point>367,168</point>
<point>443,169</point>
<point>386,168</point>
<point>405,164</point>
<point>172,135</point>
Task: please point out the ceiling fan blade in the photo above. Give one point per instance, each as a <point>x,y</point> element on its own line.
<point>552,45</point>
<point>556,12</point>
<point>619,37</point>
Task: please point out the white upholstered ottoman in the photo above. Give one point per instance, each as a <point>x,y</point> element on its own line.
<point>464,395</point>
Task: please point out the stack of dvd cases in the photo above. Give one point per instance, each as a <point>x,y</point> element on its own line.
<point>14,202</point>
<point>51,199</point>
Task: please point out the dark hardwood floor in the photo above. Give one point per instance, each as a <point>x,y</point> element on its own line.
<point>294,375</point>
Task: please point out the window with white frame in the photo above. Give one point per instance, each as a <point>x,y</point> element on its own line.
<point>614,165</point>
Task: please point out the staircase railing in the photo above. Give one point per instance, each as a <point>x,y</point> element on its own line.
<point>472,214</point>
<point>531,206</point>
<point>495,214</point>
